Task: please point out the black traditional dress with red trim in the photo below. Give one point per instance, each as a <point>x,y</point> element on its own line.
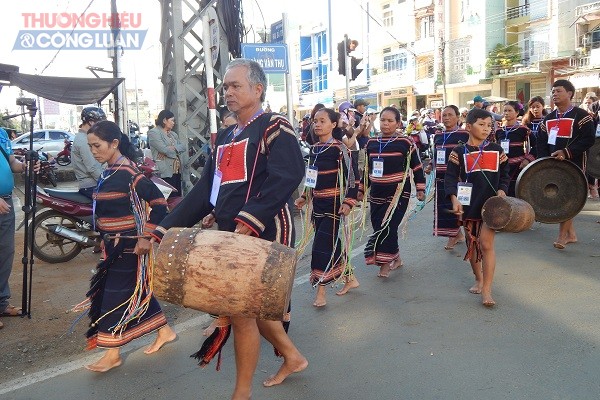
<point>396,152</point>
<point>534,128</point>
<point>445,224</point>
<point>114,216</point>
<point>518,137</point>
<point>330,159</point>
<point>576,134</point>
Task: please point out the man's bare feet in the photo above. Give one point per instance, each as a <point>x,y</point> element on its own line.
<point>561,243</point>
<point>487,300</point>
<point>289,367</point>
<point>351,283</point>
<point>384,270</point>
<point>210,329</point>
<point>107,362</point>
<point>476,288</point>
<point>165,335</point>
<point>320,299</point>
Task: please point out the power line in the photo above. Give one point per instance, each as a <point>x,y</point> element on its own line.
<point>65,42</point>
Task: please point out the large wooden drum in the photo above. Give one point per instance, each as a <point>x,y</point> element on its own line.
<point>507,214</point>
<point>224,273</point>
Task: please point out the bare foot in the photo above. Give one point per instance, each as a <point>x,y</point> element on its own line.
<point>384,270</point>
<point>453,240</point>
<point>351,283</point>
<point>560,245</point>
<point>487,300</point>
<point>165,335</point>
<point>572,239</point>
<point>289,367</point>
<point>397,263</point>
<point>476,288</point>
<point>210,329</point>
<point>320,299</point>
<point>106,363</point>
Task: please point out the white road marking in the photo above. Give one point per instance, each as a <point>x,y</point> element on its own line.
<point>62,369</point>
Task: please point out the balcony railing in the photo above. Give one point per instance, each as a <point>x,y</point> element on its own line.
<point>579,62</point>
<point>516,12</point>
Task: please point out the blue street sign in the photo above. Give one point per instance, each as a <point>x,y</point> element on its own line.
<point>272,57</point>
<point>277,32</point>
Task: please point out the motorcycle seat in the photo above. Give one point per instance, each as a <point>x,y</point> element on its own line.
<point>69,195</point>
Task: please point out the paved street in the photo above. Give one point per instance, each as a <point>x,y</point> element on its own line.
<point>417,335</point>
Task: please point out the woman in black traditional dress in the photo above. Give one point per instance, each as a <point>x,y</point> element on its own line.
<point>532,119</point>
<point>390,159</point>
<point>444,223</point>
<point>332,186</point>
<point>126,203</point>
<point>514,139</point>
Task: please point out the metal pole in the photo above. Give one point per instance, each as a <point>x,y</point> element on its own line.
<point>288,75</point>
<point>119,94</point>
<point>210,80</point>
<point>330,34</point>
<point>347,57</point>
<point>137,100</point>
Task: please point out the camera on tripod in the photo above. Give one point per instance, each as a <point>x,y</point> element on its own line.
<point>26,101</point>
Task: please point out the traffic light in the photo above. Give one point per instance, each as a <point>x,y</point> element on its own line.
<point>354,70</point>
<point>341,58</point>
<point>343,50</point>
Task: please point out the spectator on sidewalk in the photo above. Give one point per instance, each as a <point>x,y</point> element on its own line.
<point>168,151</point>
<point>8,165</point>
<point>87,169</point>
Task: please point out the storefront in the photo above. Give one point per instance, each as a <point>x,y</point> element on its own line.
<point>585,82</point>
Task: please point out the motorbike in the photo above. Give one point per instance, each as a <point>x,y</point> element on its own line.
<point>65,226</point>
<point>64,156</point>
<point>305,150</point>
<point>47,174</point>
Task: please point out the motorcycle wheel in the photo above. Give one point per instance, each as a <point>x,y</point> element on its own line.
<point>50,247</point>
<point>52,178</point>
<point>63,160</point>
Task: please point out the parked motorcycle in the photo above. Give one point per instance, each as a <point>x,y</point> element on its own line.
<point>47,174</point>
<point>305,150</point>
<point>64,156</point>
<point>65,225</point>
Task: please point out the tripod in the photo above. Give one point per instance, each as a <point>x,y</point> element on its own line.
<point>29,208</point>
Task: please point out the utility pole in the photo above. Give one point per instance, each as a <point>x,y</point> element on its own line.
<point>119,93</point>
<point>347,62</point>
<point>443,68</point>
<point>288,75</point>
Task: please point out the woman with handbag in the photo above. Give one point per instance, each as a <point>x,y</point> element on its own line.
<point>168,150</point>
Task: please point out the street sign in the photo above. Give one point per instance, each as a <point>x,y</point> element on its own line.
<point>272,57</point>
<point>277,32</point>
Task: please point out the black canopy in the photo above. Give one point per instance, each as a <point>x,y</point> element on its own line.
<point>79,91</point>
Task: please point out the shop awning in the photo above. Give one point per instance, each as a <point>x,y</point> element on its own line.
<point>78,91</point>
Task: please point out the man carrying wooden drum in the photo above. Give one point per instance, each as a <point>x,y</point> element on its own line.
<point>247,185</point>
<point>566,133</point>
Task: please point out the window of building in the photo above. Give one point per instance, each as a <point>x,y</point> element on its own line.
<point>425,68</point>
<point>395,62</point>
<point>425,27</point>
<point>388,15</point>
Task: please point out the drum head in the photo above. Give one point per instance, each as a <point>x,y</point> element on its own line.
<point>557,190</point>
<point>593,161</point>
